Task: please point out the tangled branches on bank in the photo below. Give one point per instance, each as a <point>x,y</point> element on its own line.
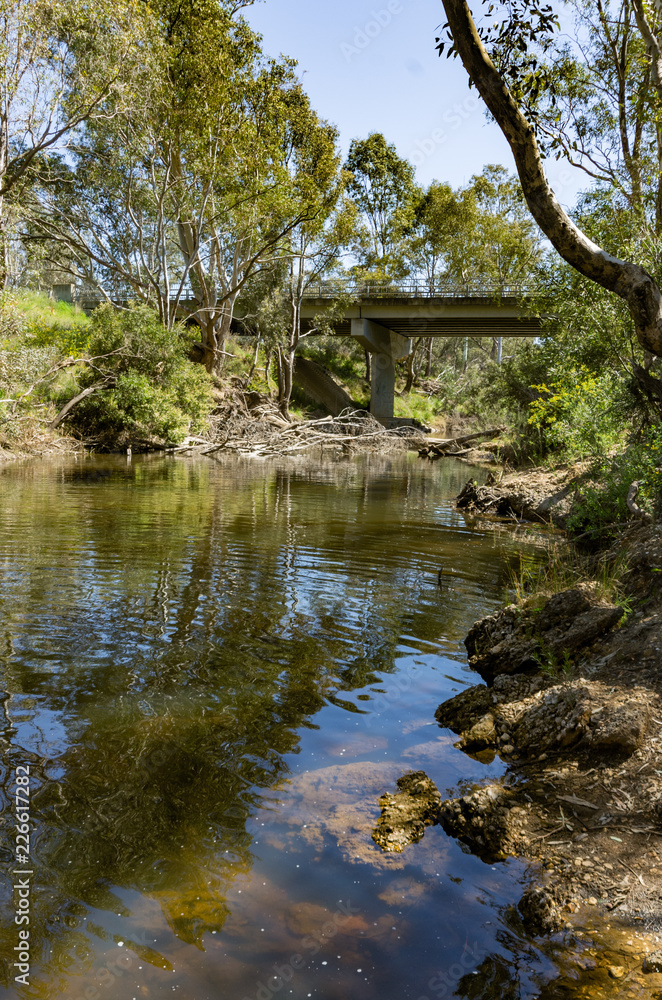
<point>272,437</point>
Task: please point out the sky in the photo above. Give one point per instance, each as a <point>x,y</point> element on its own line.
<point>371,66</point>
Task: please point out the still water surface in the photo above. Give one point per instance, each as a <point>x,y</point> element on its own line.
<point>213,670</point>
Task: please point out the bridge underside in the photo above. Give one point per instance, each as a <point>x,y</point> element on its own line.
<point>465,316</point>
<point>387,329</point>
<point>446,327</point>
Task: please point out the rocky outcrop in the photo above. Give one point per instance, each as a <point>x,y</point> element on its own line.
<point>460,713</point>
<point>537,717</point>
<point>480,736</point>
<point>488,820</point>
<point>519,639</point>
<point>406,813</point>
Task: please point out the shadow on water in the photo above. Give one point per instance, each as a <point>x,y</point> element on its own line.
<point>203,666</point>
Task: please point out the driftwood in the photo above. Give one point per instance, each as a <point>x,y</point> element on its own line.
<point>449,446</point>
<point>351,430</point>
<point>634,507</point>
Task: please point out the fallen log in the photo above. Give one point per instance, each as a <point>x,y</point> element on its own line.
<point>439,449</point>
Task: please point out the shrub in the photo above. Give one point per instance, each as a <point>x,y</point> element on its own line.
<point>579,413</point>
<point>146,387</point>
<point>601,502</point>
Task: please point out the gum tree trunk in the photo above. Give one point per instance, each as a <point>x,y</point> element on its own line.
<point>630,281</point>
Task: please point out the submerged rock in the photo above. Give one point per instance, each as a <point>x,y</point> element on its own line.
<point>540,912</point>
<point>652,963</point>
<point>486,819</point>
<point>406,813</point>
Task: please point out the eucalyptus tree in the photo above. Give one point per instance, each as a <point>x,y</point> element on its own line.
<point>477,238</point>
<point>179,201</point>
<point>383,187</point>
<point>437,244</point>
<point>524,79</point>
<point>315,250</point>
<point>61,62</point>
<point>316,243</point>
<point>506,242</point>
<point>312,252</point>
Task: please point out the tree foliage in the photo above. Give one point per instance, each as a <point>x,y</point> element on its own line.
<point>144,387</point>
<point>178,199</point>
<point>383,186</point>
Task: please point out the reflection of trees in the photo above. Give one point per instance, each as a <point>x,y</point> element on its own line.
<point>184,622</point>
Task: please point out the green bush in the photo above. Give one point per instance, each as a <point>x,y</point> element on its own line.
<point>579,413</point>
<point>601,500</point>
<point>146,386</point>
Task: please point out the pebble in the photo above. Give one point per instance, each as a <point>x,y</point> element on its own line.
<point>616,971</point>
<point>653,963</point>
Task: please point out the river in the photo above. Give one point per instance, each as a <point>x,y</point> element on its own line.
<point>210,672</point>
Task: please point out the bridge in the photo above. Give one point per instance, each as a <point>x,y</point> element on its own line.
<point>384,318</point>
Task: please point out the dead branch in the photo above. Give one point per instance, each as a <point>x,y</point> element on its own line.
<point>64,412</point>
<point>634,507</point>
<point>440,449</point>
<point>351,430</point>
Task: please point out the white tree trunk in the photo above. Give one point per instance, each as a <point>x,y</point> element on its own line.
<point>630,281</point>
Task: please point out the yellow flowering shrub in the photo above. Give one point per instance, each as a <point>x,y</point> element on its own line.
<point>577,413</point>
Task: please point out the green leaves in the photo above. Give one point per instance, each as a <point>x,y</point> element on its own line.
<point>382,185</point>
<point>149,388</point>
<point>481,236</point>
<point>516,41</point>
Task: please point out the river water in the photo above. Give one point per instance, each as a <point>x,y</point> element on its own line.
<point>212,670</point>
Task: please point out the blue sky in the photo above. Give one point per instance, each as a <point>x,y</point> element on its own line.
<point>372,67</point>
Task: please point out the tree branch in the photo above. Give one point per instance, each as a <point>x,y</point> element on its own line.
<point>628,280</point>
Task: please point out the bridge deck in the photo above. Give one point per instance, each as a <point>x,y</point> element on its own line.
<point>434,316</point>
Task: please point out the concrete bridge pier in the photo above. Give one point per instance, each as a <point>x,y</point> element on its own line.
<point>386,348</point>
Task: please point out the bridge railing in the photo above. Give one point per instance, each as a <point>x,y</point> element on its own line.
<point>381,289</point>
<point>89,297</point>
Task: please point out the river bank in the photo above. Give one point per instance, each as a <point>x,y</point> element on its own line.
<point>573,706</point>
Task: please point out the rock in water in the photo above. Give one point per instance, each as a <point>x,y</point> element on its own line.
<point>652,963</point>
<point>540,911</point>
<point>486,819</point>
<point>462,711</point>
<point>406,814</point>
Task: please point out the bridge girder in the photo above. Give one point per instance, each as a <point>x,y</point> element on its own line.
<point>442,316</point>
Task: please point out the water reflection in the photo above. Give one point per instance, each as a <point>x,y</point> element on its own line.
<point>173,635</point>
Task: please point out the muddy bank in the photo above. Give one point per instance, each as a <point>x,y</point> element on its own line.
<point>540,496</point>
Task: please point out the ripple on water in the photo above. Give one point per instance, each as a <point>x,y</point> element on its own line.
<point>215,670</point>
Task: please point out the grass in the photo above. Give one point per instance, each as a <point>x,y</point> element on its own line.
<point>37,307</point>
<point>565,569</point>
<point>418,406</point>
